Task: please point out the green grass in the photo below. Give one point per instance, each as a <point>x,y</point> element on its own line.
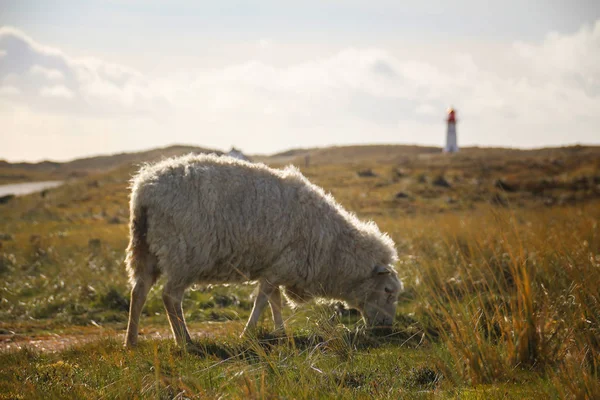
<point>306,366</point>
<point>502,300</point>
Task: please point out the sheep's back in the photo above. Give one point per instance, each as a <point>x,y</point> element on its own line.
<point>217,221</point>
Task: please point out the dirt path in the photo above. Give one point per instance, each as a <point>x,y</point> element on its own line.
<point>64,338</point>
<point>54,342</point>
<point>46,342</point>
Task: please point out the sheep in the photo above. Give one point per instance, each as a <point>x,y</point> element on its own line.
<point>211,219</point>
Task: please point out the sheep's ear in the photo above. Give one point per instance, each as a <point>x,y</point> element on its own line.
<point>381,270</point>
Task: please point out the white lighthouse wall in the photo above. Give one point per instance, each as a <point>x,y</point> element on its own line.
<point>451,142</point>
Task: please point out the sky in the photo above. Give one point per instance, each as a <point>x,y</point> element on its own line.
<point>81,78</point>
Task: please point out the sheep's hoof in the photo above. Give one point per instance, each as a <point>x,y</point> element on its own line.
<point>279,333</point>
<point>249,333</point>
<point>380,331</point>
<point>191,348</point>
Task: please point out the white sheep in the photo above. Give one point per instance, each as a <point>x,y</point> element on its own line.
<point>210,219</point>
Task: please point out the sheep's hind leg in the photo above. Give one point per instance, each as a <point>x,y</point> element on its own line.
<point>139,292</point>
<point>275,303</point>
<point>265,290</point>
<point>172,298</point>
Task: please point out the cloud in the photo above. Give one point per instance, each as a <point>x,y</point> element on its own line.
<point>264,44</point>
<point>9,91</point>
<point>56,91</point>
<point>426,109</point>
<point>385,90</point>
<point>46,73</point>
<point>572,59</point>
<point>531,94</point>
<point>99,87</point>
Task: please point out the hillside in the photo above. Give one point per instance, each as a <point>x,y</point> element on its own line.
<point>403,153</point>
<point>51,170</point>
<point>424,156</point>
<point>499,251</point>
<point>349,154</point>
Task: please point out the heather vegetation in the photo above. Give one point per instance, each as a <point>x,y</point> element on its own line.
<point>499,251</point>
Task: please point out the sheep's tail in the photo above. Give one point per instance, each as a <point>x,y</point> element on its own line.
<point>140,262</point>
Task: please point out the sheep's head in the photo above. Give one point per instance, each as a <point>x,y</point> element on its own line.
<point>379,305</point>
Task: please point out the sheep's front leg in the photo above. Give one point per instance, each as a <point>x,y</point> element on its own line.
<point>265,290</point>
<point>275,303</point>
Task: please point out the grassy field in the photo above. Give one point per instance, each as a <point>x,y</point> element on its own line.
<point>499,251</point>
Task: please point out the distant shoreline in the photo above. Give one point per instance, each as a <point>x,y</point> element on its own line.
<point>20,189</point>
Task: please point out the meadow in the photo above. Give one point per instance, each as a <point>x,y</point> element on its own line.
<point>499,252</point>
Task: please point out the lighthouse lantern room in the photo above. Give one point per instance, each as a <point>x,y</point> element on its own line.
<point>451,141</point>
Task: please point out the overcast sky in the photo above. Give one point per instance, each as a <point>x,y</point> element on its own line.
<point>81,78</point>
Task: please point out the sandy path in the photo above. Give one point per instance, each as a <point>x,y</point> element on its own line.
<point>12,339</point>
<point>53,342</point>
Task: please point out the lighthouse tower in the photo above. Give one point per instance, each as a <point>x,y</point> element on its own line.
<point>451,142</point>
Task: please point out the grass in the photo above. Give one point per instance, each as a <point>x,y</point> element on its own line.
<point>502,300</point>
<point>303,367</point>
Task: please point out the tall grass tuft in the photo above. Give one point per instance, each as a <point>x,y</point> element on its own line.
<point>509,290</point>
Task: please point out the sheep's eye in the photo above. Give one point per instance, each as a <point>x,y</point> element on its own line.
<point>388,290</point>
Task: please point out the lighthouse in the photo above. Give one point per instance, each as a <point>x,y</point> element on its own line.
<point>451,142</point>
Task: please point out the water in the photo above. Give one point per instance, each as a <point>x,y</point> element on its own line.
<point>19,189</point>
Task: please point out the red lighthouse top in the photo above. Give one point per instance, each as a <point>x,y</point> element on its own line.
<point>451,115</point>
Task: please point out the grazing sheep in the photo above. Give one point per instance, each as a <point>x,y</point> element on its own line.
<point>210,219</point>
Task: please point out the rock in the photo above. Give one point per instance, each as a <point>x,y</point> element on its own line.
<point>94,244</point>
<point>114,300</point>
<point>567,198</point>
<point>400,173</point>
<point>382,184</point>
<point>5,199</point>
<point>115,220</point>
<point>223,300</point>
<point>551,183</point>
<point>549,201</point>
<point>441,181</point>
<point>35,239</point>
<point>366,173</point>
<point>6,236</point>
<point>502,185</point>
<point>581,183</point>
<point>7,261</point>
